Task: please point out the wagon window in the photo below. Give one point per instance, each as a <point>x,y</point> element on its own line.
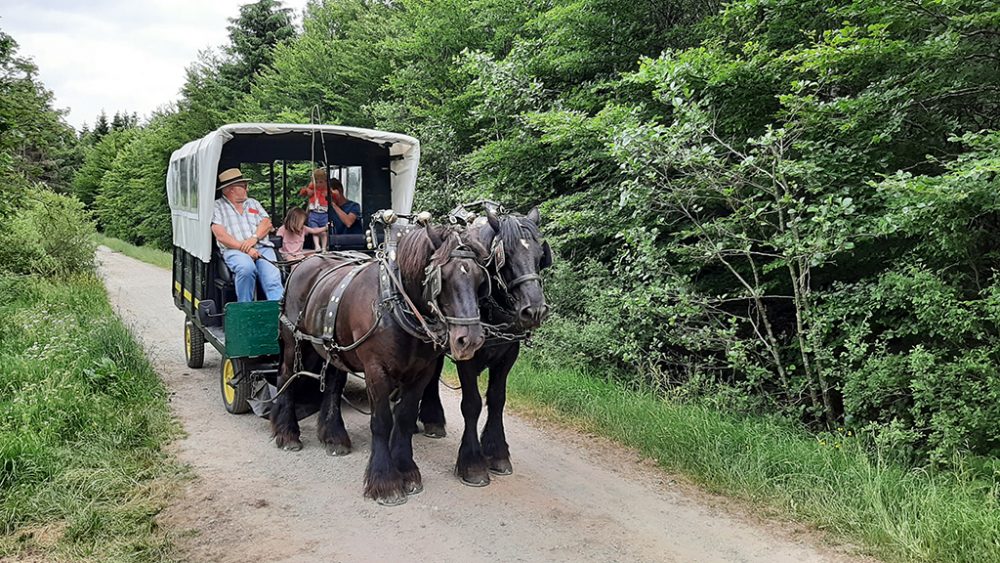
<point>350,176</point>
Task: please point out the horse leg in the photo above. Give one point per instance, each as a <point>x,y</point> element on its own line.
<point>284,425</point>
<point>382,480</point>
<point>494,439</point>
<point>330,425</point>
<point>431,411</point>
<point>471,466</point>
<point>401,443</point>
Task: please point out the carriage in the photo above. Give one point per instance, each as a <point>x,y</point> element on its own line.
<point>377,169</point>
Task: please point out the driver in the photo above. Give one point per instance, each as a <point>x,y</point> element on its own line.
<point>240,226</point>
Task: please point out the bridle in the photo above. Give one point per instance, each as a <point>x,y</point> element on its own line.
<point>432,285</point>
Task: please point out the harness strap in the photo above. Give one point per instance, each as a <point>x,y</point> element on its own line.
<point>522,279</point>
<point>330,324</point>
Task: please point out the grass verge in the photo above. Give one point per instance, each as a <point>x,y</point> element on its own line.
<point>83,418</point>
<point>143,253</point>
<point>833,481</point>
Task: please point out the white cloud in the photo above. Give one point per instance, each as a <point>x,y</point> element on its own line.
<point>117,55</point>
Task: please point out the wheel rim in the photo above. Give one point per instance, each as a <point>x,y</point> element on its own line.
<point>227,375</point>
<point>187,340</point>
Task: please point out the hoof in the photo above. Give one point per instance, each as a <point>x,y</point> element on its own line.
<point>337,450</point>
<point>501,467</point>
<point>434,430</point>
<point>288,444</point>
<point>477,480</point>
<point>394,500</point>
<point>413,489</point>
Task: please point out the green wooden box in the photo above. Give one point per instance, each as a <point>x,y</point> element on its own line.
<point>252,329</point>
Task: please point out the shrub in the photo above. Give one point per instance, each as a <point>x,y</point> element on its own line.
<point>50,235</point>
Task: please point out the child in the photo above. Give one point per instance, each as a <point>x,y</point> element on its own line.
<point>316,193</point>
<point>293,233</point>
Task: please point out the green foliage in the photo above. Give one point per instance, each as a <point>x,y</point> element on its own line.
<point>82,419</point>
<point>132,203</point>
<point>839,481</point>
<point>49,235</point>
<point>38,143</point>
<point>97,160</point>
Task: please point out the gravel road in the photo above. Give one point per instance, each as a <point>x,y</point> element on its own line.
<point>571,497</point>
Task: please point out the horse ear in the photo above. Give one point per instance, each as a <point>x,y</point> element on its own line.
<point>491,216</point>
<point>546,256</point>
<point>534,216</point>
<point>434,236</point>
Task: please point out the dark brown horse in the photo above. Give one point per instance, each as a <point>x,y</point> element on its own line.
<point>517,302</point>
<point>390,357</point>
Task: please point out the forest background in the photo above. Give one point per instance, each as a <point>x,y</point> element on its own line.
<point>783,208</point>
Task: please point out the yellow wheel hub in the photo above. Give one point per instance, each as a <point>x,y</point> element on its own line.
<point>227,375</point>
<point>187,340</point>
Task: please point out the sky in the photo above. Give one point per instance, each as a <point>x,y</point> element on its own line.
<point>117,55</point>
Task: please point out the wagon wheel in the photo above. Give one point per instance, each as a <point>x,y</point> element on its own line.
<point>234,397</point>
<point>194,345</point>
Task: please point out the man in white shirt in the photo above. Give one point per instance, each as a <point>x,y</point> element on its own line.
<point>240,225</point>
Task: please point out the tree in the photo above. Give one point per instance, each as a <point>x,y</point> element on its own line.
<point>39,143</point>
<point>253,36</point>
<point>101,126</point>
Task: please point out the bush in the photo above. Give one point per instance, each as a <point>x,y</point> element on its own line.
<point>50,235</point>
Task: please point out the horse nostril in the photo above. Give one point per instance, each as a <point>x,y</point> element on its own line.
<point>462,341</point>
<point>544,313</point>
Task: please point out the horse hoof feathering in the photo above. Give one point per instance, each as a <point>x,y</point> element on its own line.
<point>434,430</point>
<point>287,444</point>
<point>501,467</point>
<point>337,450</point>
<point>394,500</point>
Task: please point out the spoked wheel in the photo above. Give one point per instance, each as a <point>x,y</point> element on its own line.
<point>235,383</point>
<point>194,345</point>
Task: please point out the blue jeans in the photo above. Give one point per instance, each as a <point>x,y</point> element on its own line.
<point>317,219</point>
<point>248,271</point>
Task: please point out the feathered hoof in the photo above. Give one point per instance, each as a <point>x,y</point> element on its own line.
<point>337,450</point>
<point>434,430</point>
<point>501,467</point>
<point>474,479</point>
<point>287,443</point>
<point>391,500</point>
<point>413,489</point>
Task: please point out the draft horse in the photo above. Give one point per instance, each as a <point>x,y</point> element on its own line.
<point>516,304</point>
<point>365,336</point>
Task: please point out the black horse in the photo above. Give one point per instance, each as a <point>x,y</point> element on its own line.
<point>367,337</point>
<point>517,302</point>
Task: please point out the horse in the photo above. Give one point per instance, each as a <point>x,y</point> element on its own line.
<point>362,338</point>
<point>517,301</point>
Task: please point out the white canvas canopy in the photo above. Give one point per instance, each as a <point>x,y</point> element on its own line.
<point>191,176</point>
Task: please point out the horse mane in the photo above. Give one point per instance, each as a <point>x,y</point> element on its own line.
<point>415,251</point>
<point>512,227</point>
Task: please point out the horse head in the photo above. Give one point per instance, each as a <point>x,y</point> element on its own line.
<point>442,272</point>
<point>519,254</point>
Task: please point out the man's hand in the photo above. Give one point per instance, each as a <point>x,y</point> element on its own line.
<point>248,244</point>
<point>254,253</point>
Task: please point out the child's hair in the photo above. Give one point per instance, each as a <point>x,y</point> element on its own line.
<point>295,220</point>
<point>319,176</point>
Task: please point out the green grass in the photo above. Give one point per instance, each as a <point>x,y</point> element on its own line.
<point>831,481</point>
<point>143,253</point>
<point>83,418</point>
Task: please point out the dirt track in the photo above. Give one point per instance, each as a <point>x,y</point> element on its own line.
<point>568,499</point>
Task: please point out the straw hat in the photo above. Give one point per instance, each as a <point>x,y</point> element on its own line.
<point>229,177</point>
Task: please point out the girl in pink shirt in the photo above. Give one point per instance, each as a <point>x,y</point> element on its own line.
<point>293,233</point>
